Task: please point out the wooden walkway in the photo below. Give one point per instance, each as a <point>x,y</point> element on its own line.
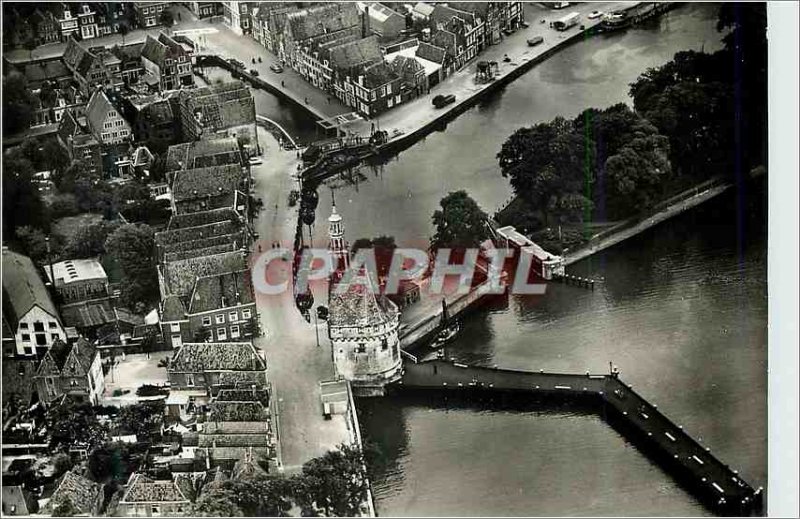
<point>693,464</point>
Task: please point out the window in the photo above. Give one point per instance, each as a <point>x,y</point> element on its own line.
<point>207,320</point>
<point>234,332</point>
<point>175,327</point>
<point>26,337</point>
<point>221,334</point>
<point>246,313</point>
<point>189,379</point>
<point>52,325</point>
<point>220,318</point>
<point>233,317</point>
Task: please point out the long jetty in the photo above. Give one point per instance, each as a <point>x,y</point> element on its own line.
<point>713,482</point>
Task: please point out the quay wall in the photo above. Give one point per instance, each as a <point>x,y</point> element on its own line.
<point>693,465</point>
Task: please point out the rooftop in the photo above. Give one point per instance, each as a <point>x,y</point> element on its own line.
<point>76,270</point>
<point>23,288</point>
<point>221,291</point>
<point>195,357</point>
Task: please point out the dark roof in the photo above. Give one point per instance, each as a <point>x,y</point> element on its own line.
<point>221,291</point>
<point>69,359</point>
<point>322,19</point>
<point>87,314</point>
<point>378,74</point>
<point>23,288</point>
<point>180,276</point>
<point>80,492</point>
<point>354,53</point>
<point>142,489</point>
<point>194,357</point>
<point>207,181</point>
<point>182,221</point>
<point>172,309</point>
<point>18,379</point>
<point>357,306</point>
<point>431,52</point>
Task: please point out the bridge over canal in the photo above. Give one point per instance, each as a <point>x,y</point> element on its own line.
<point>693,464</point>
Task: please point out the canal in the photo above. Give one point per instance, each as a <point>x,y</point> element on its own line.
<point>681,310</point>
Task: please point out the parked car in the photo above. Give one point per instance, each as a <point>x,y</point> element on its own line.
<point>595,14</point>
<point>441,101</point>
<point>253,72</point>
<point>236,63</point>
<point>254,161</point>
<point>276,68</point>
<point>536,40</point>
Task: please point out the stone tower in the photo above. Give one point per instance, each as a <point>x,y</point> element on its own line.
<point>362,326</point>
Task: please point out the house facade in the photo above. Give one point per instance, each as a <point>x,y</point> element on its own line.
<point>28,308</point>
<point>105,121</point>
<point>71,369</point>
<point>167,62</point>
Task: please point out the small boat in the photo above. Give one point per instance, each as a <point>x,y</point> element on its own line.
<point>447,329</point>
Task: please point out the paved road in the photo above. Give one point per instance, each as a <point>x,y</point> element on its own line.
<point>296,364</point>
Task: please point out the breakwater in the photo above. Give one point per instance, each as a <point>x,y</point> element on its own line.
<point>717,485</point>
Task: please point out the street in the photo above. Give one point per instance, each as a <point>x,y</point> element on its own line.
<point>295,363</point>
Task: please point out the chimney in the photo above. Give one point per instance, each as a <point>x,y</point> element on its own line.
<point>365,22</point>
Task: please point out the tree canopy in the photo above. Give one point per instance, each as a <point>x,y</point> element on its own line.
<point>460,223</point>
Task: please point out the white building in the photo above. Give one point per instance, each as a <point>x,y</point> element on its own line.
<point>362,327</point>
<point>28,310</point>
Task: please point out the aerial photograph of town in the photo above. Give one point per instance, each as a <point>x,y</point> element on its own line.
<point>385,259</point>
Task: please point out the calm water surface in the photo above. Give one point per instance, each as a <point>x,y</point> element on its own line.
<point>682,311</point>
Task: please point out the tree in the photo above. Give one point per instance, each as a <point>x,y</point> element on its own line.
<point>112,461</point>
<point>335,483</point>
<point>73,423</point>
<point>89,241</point>
<point>550,164</point>
<point>34,243</point>
<point>18,103</point>
<point>142,418</point>
<point>460,223</point>
<point>133,245</point>
<point>22,204</point>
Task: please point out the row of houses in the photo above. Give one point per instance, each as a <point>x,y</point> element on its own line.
<point>360,52</point>
<point>52,22</point>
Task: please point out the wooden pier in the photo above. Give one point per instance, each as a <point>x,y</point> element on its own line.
<point>716,484</point>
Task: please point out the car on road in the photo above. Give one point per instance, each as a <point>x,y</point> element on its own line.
<point>594,14</point>
<point>276,68</point>
<point>254,161</point>
<point>536,40</point>
<point>236,63</point>
<point>441,101</point>
<point>253,72</point>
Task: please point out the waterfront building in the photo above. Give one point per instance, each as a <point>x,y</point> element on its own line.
<point>28,309</point>
<point>362,326</point>
<point>73,370</point>
<point>148,13</point>
<point>204,9</point>
<point>211,109</point>
<point>167,63</point>
<point>238,16</point>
